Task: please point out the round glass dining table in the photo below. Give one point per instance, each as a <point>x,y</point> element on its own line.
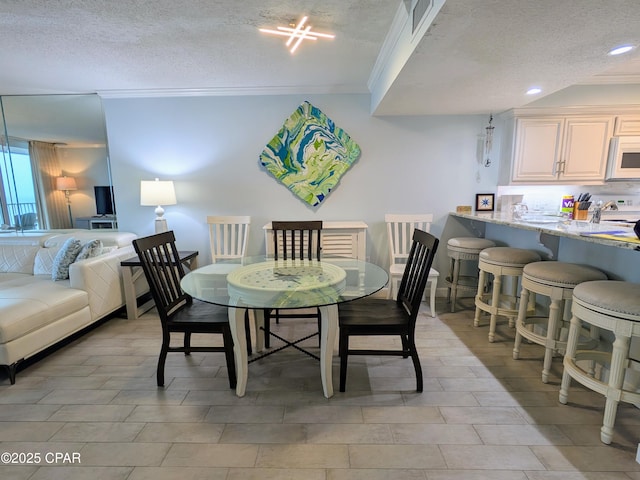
<point>260,283</point>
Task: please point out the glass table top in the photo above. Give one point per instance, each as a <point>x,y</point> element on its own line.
<point>261,282</point>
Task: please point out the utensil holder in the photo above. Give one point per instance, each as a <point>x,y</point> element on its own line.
<point>579,214</point>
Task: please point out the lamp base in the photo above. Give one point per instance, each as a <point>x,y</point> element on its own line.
<point>161,225</point>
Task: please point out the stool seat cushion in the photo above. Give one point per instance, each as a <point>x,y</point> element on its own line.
<point>561,274</point>
<point>612,297</point>
<point>469,244</point>
<point>508,256</point>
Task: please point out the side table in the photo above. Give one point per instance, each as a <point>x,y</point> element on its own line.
<point>132,270</point>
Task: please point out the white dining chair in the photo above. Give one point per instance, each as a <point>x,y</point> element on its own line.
<point>399,232</point>
<point>228,237</point>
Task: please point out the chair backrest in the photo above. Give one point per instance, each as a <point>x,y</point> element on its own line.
<point>400,233</point>
<point>416,273</point>
<point>297,239</point>
<point>157,254</point>
<point>228,236</point>
<point>26,221</point>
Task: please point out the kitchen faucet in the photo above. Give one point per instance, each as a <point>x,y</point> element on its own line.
<point>597,211</point>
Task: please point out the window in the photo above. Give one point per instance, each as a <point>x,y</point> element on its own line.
<point>17,193</point>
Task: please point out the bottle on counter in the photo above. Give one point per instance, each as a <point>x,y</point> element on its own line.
<point>567,206</point>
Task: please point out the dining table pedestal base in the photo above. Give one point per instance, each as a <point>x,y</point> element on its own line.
<point>329,330</point>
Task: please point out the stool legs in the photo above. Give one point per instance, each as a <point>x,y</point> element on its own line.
<point>613,389</point>
<point>495,300</point>
<point>453,289</point>
<point>481,283</point>
<point>570,355</point>
<point>500,304</point>
<point>556,310</point>
<point>522,315</point>
<point>616,378</point>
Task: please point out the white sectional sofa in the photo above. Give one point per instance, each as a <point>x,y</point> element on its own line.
<point>37,312</point>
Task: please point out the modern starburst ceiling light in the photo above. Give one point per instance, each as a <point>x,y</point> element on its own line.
<point>297,34</point>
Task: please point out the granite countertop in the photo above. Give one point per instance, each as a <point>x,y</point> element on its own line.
<point>606,233</point>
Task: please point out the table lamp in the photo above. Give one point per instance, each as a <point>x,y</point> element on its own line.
<point>156,192</point>
<point>67,184</point>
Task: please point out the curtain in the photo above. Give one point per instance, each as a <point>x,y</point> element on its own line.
<point>51,204</point>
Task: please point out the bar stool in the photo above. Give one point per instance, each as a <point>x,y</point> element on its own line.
<point>461,249</point>
<point>501,262</point>
<point>613,306</point>
<point>555,280</point>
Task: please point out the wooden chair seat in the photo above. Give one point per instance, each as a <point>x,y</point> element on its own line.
<point>375,316</point>
<point>371,312</point>
<point>178,311</point>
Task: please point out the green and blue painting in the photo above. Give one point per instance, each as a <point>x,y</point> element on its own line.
<point>309,154</point>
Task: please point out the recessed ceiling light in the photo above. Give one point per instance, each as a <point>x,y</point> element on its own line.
<point>621,49</point>
<point>300,32</point>
<point>534,91</point>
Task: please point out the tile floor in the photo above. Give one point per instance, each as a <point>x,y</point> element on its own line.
<point>482,415</point>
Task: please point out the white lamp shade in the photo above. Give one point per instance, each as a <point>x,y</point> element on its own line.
<point>66,183</point>
<point>156,192</point>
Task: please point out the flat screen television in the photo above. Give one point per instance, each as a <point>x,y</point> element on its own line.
<point>104,200</point>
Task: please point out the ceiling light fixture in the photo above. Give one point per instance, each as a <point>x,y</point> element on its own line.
<point>534,91</point>
<point>621,49</point>
<point>299,33</point>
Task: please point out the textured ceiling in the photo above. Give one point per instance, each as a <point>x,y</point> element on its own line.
<point>482,56</point>
<point>89,46</point>
<point>478,56</point>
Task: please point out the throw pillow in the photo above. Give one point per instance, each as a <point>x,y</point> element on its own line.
<point>89,250</point>
<point>64,258</point>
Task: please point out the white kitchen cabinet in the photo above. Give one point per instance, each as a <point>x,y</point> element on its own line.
<point>561,149</point>
<point>627,125</point>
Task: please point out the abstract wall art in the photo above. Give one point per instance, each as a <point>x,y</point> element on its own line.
<point>309,154</point>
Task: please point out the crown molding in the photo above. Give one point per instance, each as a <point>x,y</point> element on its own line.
<point>235,91</point>
<point>573,110</point>
<point>611,80</point>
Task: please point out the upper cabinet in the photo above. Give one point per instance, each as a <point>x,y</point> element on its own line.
<point>627,125</point>
<point>568,149</point>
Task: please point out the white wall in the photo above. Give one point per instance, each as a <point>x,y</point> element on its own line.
<point>89,166</point>
<point>210,146</point>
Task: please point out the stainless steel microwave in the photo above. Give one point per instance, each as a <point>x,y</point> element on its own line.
<point>624,158</point>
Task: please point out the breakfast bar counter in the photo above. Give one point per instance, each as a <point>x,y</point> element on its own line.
<point>610,246</point>
<point>613,234</point>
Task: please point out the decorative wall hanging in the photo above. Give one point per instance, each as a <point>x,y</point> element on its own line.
<point>309,154</point>
<point>485,202</point>
<point>488,141</point>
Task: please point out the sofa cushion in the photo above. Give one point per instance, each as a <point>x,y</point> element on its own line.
<point>33,237</point>
<point>17,258</point>
<point>65,257</point>
<point>43,264</point>
<point>28,306</point>
<point>13,278</point>
<point>107,237</point>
